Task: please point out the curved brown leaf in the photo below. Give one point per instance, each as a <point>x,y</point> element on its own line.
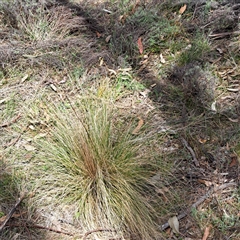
<point>140,45</point>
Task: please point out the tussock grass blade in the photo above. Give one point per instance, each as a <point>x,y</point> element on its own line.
<point>93,163</point>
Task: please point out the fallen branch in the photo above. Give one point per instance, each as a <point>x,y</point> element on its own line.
<point>11,122</point>
<point>39,227</point>
<point>219,35</point>
<point>191,151</point>
<point>11,212</point>
<point>96,230</point>
<point>200,200</point>
<point>13,142</point>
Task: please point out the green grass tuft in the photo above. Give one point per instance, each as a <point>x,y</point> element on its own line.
<point>197,50</point>
<point>92,161</point>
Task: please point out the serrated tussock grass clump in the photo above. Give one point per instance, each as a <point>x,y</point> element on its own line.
<point>91,160</point>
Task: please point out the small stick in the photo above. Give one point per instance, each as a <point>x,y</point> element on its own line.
<point>11,212</point>
<point>13,142</point>
<point>40,227</point>
<point>191,151</point>
<point>11,122</point>
<point>200,200</point>
<point>223,34</point>
<point>96,230</point>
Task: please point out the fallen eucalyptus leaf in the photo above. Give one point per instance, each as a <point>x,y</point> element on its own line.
<point>233,120</point>
<point>183,9</point>
<point>213,106</point>
<point>233,89</point>
<point>24,78</point>
<point>140,124</point>
<point>206,232</point>
<point>174,224</point>
<point>29,147</point>
<point>140,45</point>
<point>40,135</point>
<point>107,39</point>
<point>162,60</point>
<point>53,87</point>
<point>31,127</point>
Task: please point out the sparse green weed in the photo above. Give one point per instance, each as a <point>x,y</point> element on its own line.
<point>225,222</point>
<point>163,35</point>
<point>195,51</point>
<point>222,219</point>
<point>162,32</point>
<point>77,73</point>
<point>125,80</point>
<point>9,107</point>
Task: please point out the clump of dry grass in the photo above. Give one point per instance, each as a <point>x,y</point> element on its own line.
<point>93,162</point>
<point>38,22</point>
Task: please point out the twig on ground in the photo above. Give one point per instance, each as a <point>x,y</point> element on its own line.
<point>10,122</point>
<point>191,151</point>
<point>39,227</point>
<point>12,211</point>
<point>219,35</point>
<point>58,231</point>
<point>97,230</point>
<point>200,200</point>
<point>13,142</point>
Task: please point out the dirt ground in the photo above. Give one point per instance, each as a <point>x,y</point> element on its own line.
<point>182,84</point>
